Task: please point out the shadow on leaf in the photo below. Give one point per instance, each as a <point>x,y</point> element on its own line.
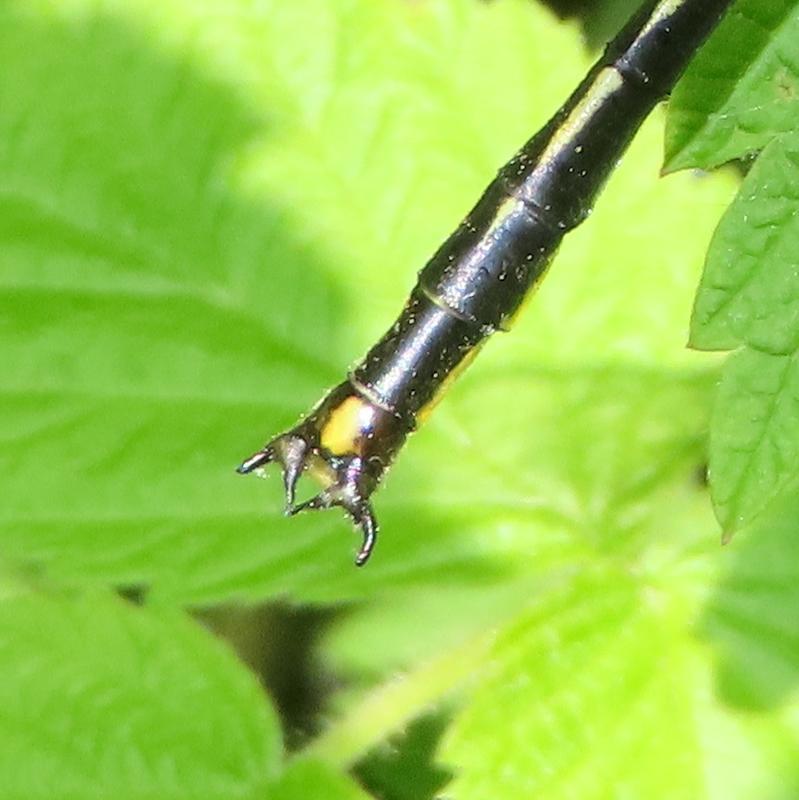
<point>161,322</point>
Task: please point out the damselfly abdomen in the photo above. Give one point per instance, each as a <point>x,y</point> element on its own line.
<point>478,279</point>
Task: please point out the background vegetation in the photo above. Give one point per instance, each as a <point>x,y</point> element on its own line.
<point>208,210</point>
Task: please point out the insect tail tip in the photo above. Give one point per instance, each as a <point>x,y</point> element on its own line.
<point>368,525</point>
<point>259,459</point>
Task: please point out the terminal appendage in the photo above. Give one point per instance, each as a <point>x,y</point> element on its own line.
<point>345,444</point>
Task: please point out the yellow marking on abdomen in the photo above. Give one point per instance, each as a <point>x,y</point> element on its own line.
<point>509,321</point>
<point>608,81</point>
<point>506,210</point>
<point>662,11</point>
<point>345,425</point>
<point>426,410</point>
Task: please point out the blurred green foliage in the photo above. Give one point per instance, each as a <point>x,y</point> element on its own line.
<point>208,210</point>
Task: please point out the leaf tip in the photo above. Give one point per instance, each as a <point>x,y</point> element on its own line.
<point>673,163</point>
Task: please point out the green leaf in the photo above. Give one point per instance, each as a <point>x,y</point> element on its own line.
<point>749,295</point>
<point>596,691</point>
<point>754,443</point>
<point>182,280</point>
<point>242,197</point>
<point>740,96</point>
<point>175,261</point>
<point>208,210</point>
<point>749,292</point>
<point>740,91</point>
<point>567,694</point>
<point>605,684</point>
<point>100,699</point>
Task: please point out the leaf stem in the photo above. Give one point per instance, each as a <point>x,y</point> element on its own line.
<point>388,707</point>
